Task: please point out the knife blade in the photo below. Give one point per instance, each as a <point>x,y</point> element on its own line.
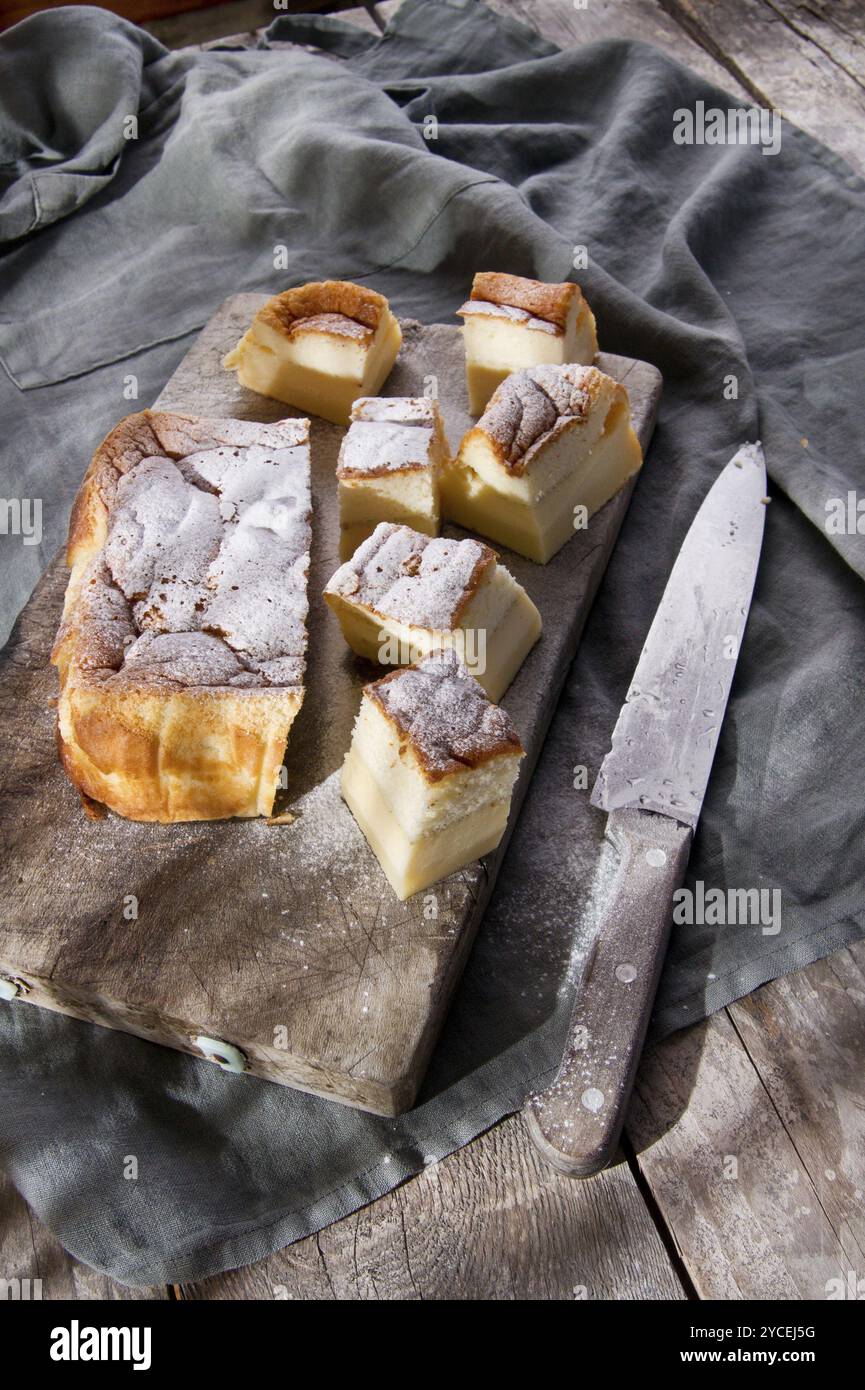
<point>651,784</point>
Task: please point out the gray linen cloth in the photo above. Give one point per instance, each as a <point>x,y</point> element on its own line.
<point>712,261</point>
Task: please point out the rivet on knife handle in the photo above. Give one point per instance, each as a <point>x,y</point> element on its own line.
<point>577,1122</point>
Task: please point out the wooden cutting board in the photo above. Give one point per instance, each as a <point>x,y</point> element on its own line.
<point>284,941</point>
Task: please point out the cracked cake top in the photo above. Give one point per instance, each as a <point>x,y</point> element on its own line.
<point>424,581</point>
<point>200,577</point>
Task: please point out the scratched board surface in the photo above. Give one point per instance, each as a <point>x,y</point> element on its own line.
<point>284,940</point>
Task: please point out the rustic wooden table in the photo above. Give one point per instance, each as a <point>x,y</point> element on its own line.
<point>743,1166</point>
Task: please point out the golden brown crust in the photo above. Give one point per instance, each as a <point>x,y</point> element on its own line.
<point>289,312</point>
<point>184,756</point>
<point>444,715</point>
<point>543,301</point>
<point>124,446</point>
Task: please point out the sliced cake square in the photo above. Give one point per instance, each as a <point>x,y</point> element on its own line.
<point>404,594</point>
<point>430,771</point>
<point>510,323</point>
<point>318,347</point>
<point>551,440</point>
<point>389,467</point>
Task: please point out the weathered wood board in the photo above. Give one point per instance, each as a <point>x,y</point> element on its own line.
<point>284,941</point>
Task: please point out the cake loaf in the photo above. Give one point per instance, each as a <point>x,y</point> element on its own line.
<point>182,647</point>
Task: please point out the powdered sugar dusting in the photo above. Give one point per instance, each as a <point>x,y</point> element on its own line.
<point>421,580</point>
<point>373,446</point>
<point>389,435</point>
<point>179,435</point>
<point>445,713</point>
<point>530,404</point>
<point>210,551</point>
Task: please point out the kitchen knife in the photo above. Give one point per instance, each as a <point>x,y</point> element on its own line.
<point>651,784</point>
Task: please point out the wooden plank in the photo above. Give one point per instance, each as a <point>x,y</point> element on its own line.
<point>492,1221</point>
<point>294,949</point>
<point>734,1192</point>
<point>805,1035</point>
<point>780,67</point>
<point>31,1255</point>
<point>836,27</point>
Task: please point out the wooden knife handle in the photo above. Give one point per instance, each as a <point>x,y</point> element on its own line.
<point>577,1122</point>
